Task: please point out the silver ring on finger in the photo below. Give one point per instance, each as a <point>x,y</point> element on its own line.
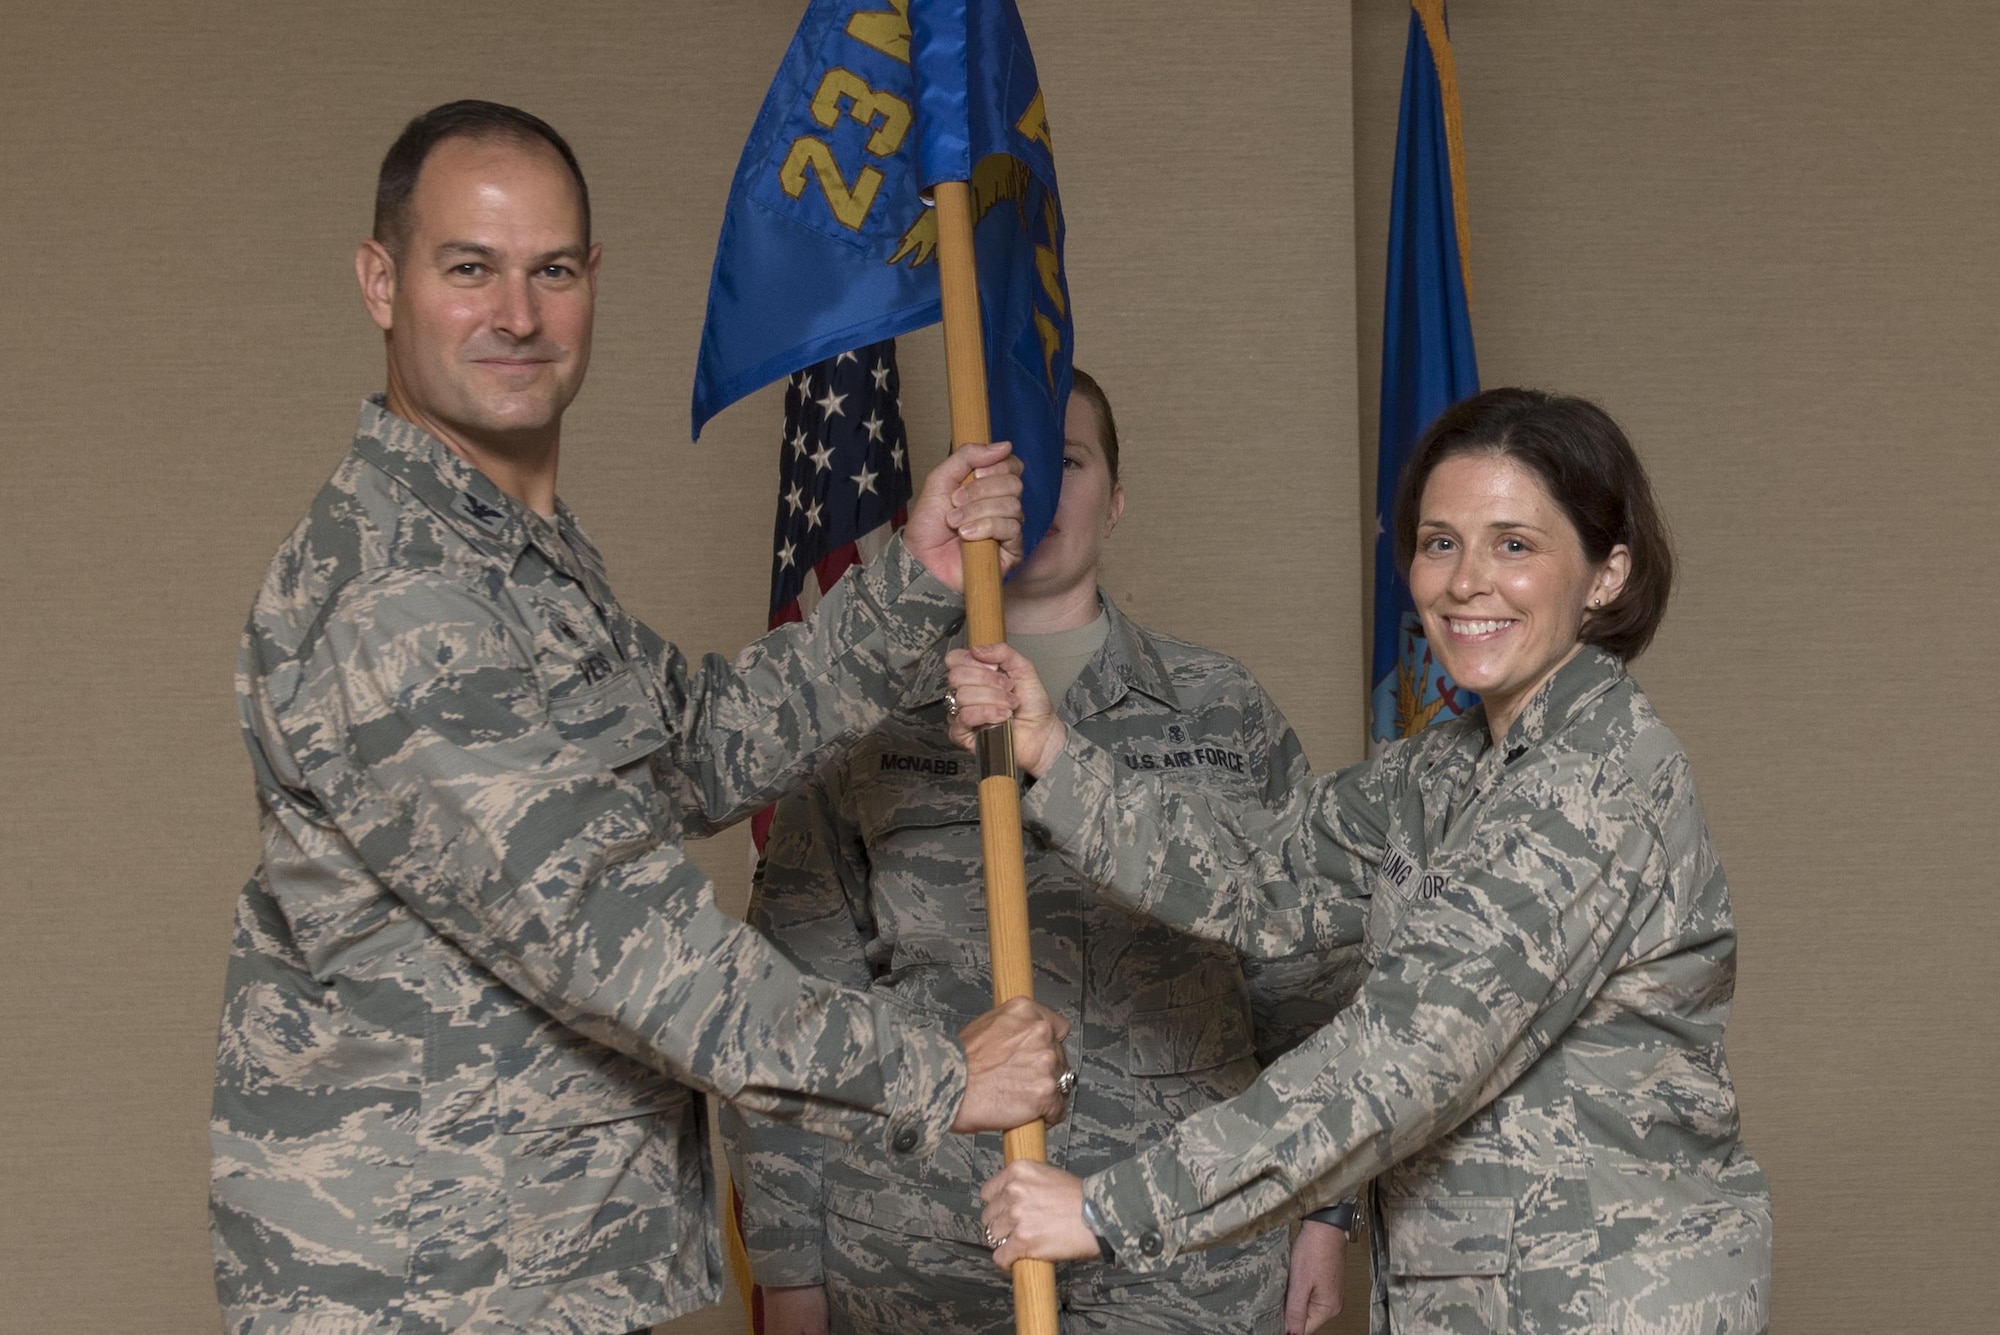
<point>950,703</point>
<point>1066,1083</point>
<point>998,1245</point>
<point>991,1243</point>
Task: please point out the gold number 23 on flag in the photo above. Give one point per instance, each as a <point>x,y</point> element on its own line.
<point>884,113</point>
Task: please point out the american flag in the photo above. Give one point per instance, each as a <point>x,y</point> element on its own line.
<point>843,475</point>
<point>843,490</point>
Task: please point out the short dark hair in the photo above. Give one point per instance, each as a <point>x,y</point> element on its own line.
<point>468,119</point>
<point>1084,383</point>
<point>1589,468</point>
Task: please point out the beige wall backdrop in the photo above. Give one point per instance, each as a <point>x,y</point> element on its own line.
<point>1760,234</point>
<point>181,188</point>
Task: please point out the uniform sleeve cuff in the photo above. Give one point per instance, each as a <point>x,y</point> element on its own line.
<point>925,1088</point>
<point>1124,1201</point>
<point>915,608</point>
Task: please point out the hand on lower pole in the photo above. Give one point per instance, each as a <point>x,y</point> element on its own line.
<point>1035,1212</point>
<point>1014,1068</point>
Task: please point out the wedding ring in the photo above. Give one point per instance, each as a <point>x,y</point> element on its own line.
<point>1066,1083</point>
<point>950,703</point>
<point>990,1243</point>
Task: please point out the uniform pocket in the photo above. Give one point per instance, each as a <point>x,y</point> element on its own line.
<point>1448,1260</point>
<point>934,1195</point>
<point>599,1151</point>
<point>561,1079</point>
<point>910,1209</point>
<point>911,782</point>
<point>1184,1058</point>
<point>614,720</point>
<point>924,818</point>
<point>1196,1037</point>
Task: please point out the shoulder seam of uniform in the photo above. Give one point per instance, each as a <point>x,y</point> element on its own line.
<point>1197,651</point>
<point>310,640</point>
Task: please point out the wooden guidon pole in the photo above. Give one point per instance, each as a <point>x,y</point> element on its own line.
<point>986,623</point>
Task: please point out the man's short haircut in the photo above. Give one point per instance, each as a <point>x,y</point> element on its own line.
<point>1084,383</point>
<point>1586,464</point>
<point>468,119</point>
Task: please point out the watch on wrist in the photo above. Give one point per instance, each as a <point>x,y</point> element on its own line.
<point>1341,1216</point>
<point>1095,1223</point>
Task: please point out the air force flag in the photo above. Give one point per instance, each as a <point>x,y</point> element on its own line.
<point>1427,362</point>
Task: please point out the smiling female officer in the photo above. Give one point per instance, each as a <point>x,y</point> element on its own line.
<point>1533,1069</point>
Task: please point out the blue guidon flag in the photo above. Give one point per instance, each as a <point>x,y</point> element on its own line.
<point>1427,361</point>
<point>828,245</point>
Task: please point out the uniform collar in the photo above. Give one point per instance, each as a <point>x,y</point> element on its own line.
<point>1573,688</point>
<point>466,498</point>
<point>1126,661</point>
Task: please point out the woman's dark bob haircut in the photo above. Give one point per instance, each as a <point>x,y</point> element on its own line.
<point>1589,468</point>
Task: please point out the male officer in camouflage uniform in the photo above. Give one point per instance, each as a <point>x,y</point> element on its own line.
<point>476,987</point>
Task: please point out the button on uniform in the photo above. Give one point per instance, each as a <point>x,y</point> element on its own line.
<point>1150,1243</point>
<point>906,1140</point>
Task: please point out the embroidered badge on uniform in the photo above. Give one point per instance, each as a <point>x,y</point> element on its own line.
<point>479,512</point>
<point>1398,866</point>
<point>946,766</point>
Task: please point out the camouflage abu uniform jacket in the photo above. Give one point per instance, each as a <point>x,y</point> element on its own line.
<point>476,984</point>
<point>1534,1063</point>
<point>873,876</point>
